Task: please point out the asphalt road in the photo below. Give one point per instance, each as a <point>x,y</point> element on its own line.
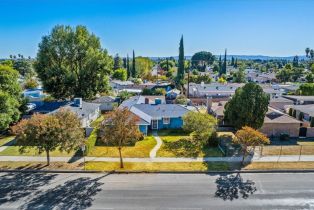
<point>156,191</point>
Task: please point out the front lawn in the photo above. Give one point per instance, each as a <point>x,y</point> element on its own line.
<point>279,165</point>
<point>155,166</point>
<point>141,149</point>
<point>176,144</point>
<point>33,151</point>
<point>5,139</point>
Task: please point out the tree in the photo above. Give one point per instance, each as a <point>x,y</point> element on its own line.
<point>284,75</point>
<point>181,99</point>
<point>220,64</point>
<point>239,76</point>
<point>117,64</point>
<point>295,61</point>
<point>232,61</point>
<point>60,131</point>
<point>120,74</point>
<point>202,125</point>
<point>236,63</point>
<point>249,138</point>
<point>11,100</point>
<point>311,53</point>
<point>247,107</point>
<point>71,63</point>
<point>133,65</point>
<point>307,51</point>
<point>309,77</point>
<point>306,89</point>
<point>24,67</point>
<point>30,84</point>
<point>181,69</point>
<point>128,66</point>
<point>120,129</point>
<point>216,68</point>
<point>143,67</point>
<point>224,66</point>
<point>201,59</point>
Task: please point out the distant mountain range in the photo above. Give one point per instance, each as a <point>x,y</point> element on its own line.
<point>244,57</point>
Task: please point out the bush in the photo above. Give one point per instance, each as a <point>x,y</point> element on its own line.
<point>284,137</point>
<point>213,140</point>
<point>120,74</point>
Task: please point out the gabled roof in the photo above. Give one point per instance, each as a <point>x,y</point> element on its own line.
<point>104,99</point>
<point>162,110</point>
<point>275,116</point>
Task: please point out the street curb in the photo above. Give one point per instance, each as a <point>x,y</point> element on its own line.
<point>155,172</point>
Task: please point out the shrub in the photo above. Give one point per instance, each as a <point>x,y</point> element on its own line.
<point>213,140</point>
<point>284,137</point>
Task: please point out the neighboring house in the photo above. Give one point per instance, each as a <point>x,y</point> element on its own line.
<point>300,100</point>
<point>142,100</point>
<point>107,103</point>
<point>253,75</point>
<point>119,85</point>
<point>276,123</point>
<point>159,116</point>
<point>306,110</point>
<point>87,112</point>
<point>279,103</point>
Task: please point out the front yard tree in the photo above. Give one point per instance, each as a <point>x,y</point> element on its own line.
<point>247,107</point>
<point>10,96</point>
<point>202,125</point>
<point>249,138</point>
<point>50,132</point>
<point>118,63</point>
<point>120,129</point>
<point>72,63</point>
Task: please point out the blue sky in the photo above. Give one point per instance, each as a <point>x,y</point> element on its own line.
<point>154,27</point>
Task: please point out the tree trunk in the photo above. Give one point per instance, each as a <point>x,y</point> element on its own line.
<point>121,160</point>
<point>48,157</point>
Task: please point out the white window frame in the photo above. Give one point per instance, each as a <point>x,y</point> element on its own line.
<point>166,120</point>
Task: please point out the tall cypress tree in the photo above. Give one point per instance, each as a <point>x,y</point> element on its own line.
<point>128,65</point>
<point>236,63</point>
<point>167,64</point>
<point>180,74</point>
<point>224,68</point>
<point>133,66</point>
<point>220,65</point>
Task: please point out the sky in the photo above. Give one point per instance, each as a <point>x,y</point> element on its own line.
<point>154,27</point>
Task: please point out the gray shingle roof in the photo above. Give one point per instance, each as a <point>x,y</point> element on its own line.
<point>85,110</point>
<point>162,110</point>
<point>104,99</point>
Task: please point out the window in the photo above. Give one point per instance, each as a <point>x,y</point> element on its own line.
<point>166,120</point>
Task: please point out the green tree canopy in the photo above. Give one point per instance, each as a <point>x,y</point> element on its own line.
<point>72,63</point>
<point>120,74</point>
<point>202,58</point>
<point>247,107</point>
<point>50,132</point>
<point>306,89</point>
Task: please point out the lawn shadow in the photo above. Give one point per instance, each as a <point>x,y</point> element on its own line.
<point>15,186</point>
<point>73,194</point>
<point>230,186</point>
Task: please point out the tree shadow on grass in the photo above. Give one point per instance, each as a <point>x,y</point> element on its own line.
<point>73,194</point>
<point>15,186</point>
<point>182,148</point>
<point>231,187</point>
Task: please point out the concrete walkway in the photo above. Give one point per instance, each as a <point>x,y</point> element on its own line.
<point>287,158</point>
<point>2,148</point>
<point>153,152</point>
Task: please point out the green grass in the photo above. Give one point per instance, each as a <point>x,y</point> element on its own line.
<point>141,149</point>
<point>97,122</point>
<point>154,166</point>
<point>5,139</point>
<point>33,151</point>
<point>177,144</point>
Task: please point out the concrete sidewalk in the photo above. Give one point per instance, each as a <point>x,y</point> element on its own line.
<point>287,158</point>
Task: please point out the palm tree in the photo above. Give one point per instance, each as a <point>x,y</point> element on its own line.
<point>307,51</point>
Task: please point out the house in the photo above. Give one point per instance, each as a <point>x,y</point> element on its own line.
<point>119,85</point>
<point>87,112</point>
<point>276,123</point>
<point>34,96</point>
<point>159,116</point>
<point>302,100</point>
<point>280,103</point>
<point>107,103</point>
<point>142,100</point>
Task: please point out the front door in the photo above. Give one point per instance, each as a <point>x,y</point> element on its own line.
<point>154,124</point>
<point>302,132</point>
